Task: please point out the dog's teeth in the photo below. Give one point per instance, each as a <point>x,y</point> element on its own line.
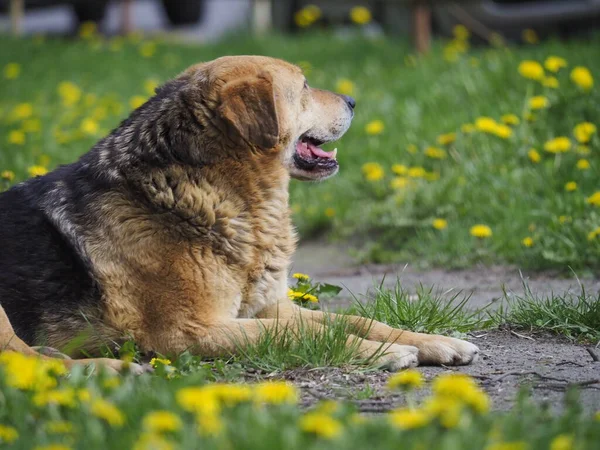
<point>334,153</point>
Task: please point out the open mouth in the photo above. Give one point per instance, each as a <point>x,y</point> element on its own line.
<point>311,159</point>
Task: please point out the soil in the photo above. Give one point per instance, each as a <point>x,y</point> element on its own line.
<point>545,364</point>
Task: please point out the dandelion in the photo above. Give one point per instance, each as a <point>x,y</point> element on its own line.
<point>136,101</point>
<point>461,32</point>
<point>439,224</point>
<point>307,16</point>
<point>510,119</point>
<point>229,394</point>
<point>12,71</point>
<point>329,212</point>
<point>89,126</point>
<point>550,82</point>
<point>447,410</point>
<point>345,86</point>
<point>148,49</point>
<point>538,102</point>
<point>583,132</point>
<point>161,422</point>
<point>559,144</point>
<point>435,153</point>
<point>16,137</point>
<point>527,242</point>
<point>532,70</point>
<point>375,127</point>
<point>108,412</point>
<point>582,77</point>
<point>8,434</point>
<point>302,296</point>
<point>59,427</point>
<point>555,63</point>
<point>360,15</point>
<point>209,424</point>
<point>485,124</point>
<point>529,36</point>
<point>467,128</point>
<point>416,172</point>
<point>400,183</point>
<point>593,234</point>
<point>460,387</point>
<point>408,419</point>
<point>409,379</point>
<point>87,30</point>
<point>594,199</point>
<point>571,186</point>
<point>320,424</point>
<point>150,86</point>
<point>65,397</point>
<point>69,93</point>
<point>301,276</point>
<point>197,400</point>
<point>7,175</point>
<point>373,171</point>
<point>583,164</point>
<point>152,441</point>
<point>22,111</point>
<point>276,393</point>
<point>562,442</point>
<point>32,125</point>
<point>481,231</point>
<point>564,219</point>
<point>446,139</point>
<point>399,169</point>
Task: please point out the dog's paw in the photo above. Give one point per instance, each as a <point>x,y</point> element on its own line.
<point>448,351</point>
<point>396,357</point>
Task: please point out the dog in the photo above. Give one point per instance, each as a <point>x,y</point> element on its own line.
<point>175,230</point>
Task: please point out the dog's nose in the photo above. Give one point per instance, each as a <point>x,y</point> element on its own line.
<point>351,102</point>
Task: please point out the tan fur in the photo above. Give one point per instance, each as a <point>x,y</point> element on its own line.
<point>213,272</point>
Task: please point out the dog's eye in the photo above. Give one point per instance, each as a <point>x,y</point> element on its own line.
<point>305,84</point>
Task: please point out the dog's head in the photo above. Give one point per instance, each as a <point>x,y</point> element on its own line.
<point>266,105</point>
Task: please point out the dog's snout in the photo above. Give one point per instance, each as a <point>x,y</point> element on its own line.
<point>350,101</point>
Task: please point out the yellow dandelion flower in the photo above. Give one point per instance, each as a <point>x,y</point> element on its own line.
<point>209,424</point>
<point>584,131</point>
<point>399,169</point>
<point>559,144</point>
<point>12,71</point>
<point>527,242</point>
<point>534,156</point>
<point>416,172</point>
<point>150,86</point>
<point>439,224</point>
<point>460,387</point>
<point>551,82</point>
<point>69,93</point>
<point>467,128</point>
<point>510,119</point>
<point>562,442</point>
<point>229,394</point>
<point>148,49</point>
<point>153,441</point>
<point>375,127</point>
<point>538,102</point>
<point>155,362</point>
<point>7,175</point>
<point>89,126</point>
<point>37,171</point>
<point>400,183</point>
<point>108,412</point>
<point>275,393</point>
<point>532,70</point>
<point>485,124</point>
<point>360,15</point>
<point>320,424</point>
<point>593,234</point>
<point>408,419</point>
<point>161,422</point>
<point>555,63</point>
<point>583,164</point>
<point>435,153</point>
<point>22,111</point>
<point>481,231</point>
<point>409,379</point>
<point>373,171</point>
<point>564,219</point>
<point>88,30</point>
<point>502,131</point>
<point>461,32</point>
<point>329,212</point>
<point>582,77</point>
<point>16,137</point>
<point>594,199</point>
<point>32,126</point>
<point>59,427</point>
<point>571,186</point>
<point>64,397</point>
<point>197,400</point>
<point>136,101</point>
<point>345,86</point>
<point>8,434</point>
<point>529,36</point>
<point>301,276</point>
<point>445,139</point>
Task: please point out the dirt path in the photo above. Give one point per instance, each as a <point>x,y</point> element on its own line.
<point>547,364</point>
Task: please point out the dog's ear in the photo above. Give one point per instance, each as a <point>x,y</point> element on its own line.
<point>248,106</point>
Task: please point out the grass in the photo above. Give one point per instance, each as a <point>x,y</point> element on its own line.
<point>483,178</point>
<point>571,315</point>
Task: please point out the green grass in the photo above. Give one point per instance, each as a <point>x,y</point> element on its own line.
<point>484,179</point>
<point>571,315</point>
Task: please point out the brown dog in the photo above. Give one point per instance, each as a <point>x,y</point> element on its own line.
<point>175,229</point>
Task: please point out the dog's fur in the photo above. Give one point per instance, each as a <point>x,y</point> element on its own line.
<point>175,229</point>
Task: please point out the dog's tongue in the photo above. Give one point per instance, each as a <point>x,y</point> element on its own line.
<point>308,150</point>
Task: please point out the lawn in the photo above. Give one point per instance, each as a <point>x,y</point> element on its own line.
<point>453,159</point>
<point>443,146</point>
